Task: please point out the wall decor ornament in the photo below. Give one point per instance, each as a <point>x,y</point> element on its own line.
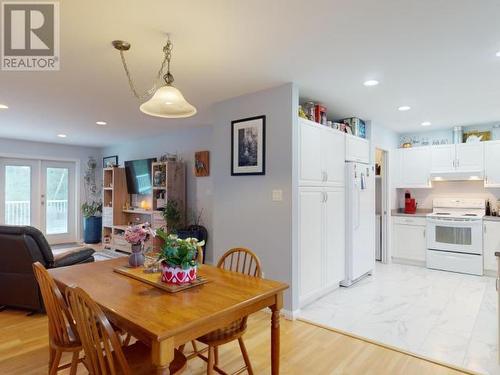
<point>248,146</point>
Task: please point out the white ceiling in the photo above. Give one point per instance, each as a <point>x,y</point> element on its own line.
<point>438,56</point>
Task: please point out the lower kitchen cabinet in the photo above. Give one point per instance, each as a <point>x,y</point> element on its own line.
<point>321,241</point>
<point>409,241</point>
<point>491,242</point>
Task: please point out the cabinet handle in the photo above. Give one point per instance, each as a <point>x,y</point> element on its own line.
<point>496,283</point>
<point>484,226</point>
<point>458,162</point>
<point>424,233</point>
<point>326,197</point>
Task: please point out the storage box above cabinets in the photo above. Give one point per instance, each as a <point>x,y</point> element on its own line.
<point>321,155</point>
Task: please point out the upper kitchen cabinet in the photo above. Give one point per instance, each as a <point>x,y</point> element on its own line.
<point>462,157</point>
<point>357,149</point>
<point>442,158</point>
<point>470,156</point>
<point>414,167</point>
<point>492,164</point>
<point>321,155</point>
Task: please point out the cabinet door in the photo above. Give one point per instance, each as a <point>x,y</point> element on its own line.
<point>470,156</point>
<point>334,232</point>
<point>415,164</point>
<point>409,242</point>
<point>357,149</point>
<point>310,163</point>
<point>491,164</point>
<point>311,204</point>
<point>443,158</point>
<point>333,151</point>
<point>491,244</point>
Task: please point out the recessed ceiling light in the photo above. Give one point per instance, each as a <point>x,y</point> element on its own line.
<point>497,54</point>
<point>371,82</point>
<point>404,108</point>
<point>102,123</point>
<point>426,123</point>
<point>3,106</point>
<point>62,135</point>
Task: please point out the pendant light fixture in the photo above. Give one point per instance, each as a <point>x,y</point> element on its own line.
<point>164,99</point>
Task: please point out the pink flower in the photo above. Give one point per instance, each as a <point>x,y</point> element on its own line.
<point>138,234</point>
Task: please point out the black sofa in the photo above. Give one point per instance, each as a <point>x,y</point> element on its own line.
<point>20,247</point>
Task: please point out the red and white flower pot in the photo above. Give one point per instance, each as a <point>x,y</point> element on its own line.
<point>178,275</point>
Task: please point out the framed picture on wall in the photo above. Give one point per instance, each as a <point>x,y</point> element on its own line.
<point>248,146</point>
<point>110,161</point>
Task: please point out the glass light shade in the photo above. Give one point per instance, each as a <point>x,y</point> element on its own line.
<point>168,102</point>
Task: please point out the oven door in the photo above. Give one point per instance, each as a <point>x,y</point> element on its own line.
<point>461,236</point>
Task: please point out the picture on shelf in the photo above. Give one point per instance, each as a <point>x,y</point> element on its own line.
<point>110,161</point>
<point>248,146</point>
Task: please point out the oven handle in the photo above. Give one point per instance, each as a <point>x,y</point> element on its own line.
<point>455,223</point>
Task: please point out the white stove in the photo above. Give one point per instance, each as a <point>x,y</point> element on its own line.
<point>455,235</point>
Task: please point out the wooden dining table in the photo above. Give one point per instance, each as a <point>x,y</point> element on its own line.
<point>166,320</point>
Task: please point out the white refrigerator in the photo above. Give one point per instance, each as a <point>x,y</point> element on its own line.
<point>360,222</point>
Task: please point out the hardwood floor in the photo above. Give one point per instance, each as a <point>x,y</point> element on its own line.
<point>305,349</point>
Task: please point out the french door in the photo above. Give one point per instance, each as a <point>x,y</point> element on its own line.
<point>39,193</point>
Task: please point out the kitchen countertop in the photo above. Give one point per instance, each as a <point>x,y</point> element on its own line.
<point>491,218</point>
<point>421,212</point>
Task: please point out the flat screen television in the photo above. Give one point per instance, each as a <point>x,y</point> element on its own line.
<point>138,174</point>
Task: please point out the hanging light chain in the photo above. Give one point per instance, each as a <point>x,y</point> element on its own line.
<point>168,77</point>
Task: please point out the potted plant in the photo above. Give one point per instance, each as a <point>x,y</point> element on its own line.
<point>137,235</point>
<point>172,215</point>
<point>178,258</point>
<point>92,222</point>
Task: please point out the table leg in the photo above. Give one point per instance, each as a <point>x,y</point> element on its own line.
<point>162,353</point>
<point>275,335</point>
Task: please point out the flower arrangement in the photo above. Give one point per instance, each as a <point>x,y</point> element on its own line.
<point>178,258</point>
<point>138,234</point>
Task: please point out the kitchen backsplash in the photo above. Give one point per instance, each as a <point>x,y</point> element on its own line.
<point>449,189</point>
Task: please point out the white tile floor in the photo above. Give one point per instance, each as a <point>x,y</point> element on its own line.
<point>442,315</point>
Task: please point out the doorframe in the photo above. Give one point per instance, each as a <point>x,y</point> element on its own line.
<point>386,193</point>
<point>78,179</point>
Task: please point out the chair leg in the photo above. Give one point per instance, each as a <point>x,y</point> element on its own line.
<point>52,353</point>
<point>55,363</point>
<point>216,356</point>
<point>126,341</point>
<point>245,356</point>
<point>195,347</point>
<point>74,363</point>
<point>210,365</point>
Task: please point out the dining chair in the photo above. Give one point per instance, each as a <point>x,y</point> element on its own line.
<point>103,351</point>
<point>244,261</point>
<point>63,335</point>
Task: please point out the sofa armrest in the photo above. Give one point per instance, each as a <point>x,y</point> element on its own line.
<point>74,257</point>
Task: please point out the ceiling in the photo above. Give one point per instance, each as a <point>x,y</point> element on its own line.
<point>437,56</point>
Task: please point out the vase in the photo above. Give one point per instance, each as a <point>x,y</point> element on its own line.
<point>178,275</point>
<point>92,229</point>
<point>136,259</point>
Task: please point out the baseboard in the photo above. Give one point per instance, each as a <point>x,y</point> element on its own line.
<point>408,262</point>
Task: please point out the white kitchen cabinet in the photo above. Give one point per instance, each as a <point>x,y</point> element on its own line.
<point>311,206</point>
<point>334,237</point>
<point>408,239</point>
<point>321,155</point>
<point>357,149</point>
<point>321,241</point>
<point>442,158</point>
<point>414,167</point>
<point>470,156</point>
<point>491,244</point>
<point>492,164</point>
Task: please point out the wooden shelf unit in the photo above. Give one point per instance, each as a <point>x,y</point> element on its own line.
<point>170,186</point>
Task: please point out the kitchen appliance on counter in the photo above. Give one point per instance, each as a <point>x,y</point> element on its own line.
<point>360,222</point>
<point>455,235</point>
<point>410,203</point>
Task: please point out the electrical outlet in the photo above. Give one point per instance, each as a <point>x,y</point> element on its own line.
<point>277,195</point>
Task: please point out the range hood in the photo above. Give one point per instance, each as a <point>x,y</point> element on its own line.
<point>454,175</point>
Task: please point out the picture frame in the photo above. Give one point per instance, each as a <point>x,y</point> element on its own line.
<point>248,146</point>
<point>110,161</point>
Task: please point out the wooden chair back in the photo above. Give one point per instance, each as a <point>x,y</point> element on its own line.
<point>241,260</point>
<point>62,330</point>
<point>103,352</point>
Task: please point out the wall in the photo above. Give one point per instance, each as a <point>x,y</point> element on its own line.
<point>184,142</point>
<point>243,211</point>
<point>450,189</point>
<point>53,151</point>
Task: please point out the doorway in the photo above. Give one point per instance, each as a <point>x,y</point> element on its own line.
<point>40,193</point>
<point>381,205</point>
